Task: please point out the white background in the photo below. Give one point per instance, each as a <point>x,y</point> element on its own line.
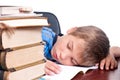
<point>101,13</point>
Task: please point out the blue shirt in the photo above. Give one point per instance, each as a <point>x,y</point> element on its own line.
<point>49,37</point>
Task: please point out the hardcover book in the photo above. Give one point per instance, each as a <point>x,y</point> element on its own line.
<point>20,37</point>
<point>28,73</point>
<point>22,58</point>
<point>24,21</point>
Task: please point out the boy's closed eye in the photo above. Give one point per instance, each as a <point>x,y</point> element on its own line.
<point>70,47</point>
<point>74,61</point>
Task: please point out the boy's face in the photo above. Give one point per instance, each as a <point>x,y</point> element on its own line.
<point>68,50</point>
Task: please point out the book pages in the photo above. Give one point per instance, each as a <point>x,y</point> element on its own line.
<point>67,73</point>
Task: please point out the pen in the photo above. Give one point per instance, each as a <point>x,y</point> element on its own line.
<point>42,79</point>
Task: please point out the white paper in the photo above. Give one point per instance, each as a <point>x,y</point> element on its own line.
<point>67,73</point>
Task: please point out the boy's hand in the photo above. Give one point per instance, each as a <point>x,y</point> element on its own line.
<point>108,63</point>
<point>51,68</point>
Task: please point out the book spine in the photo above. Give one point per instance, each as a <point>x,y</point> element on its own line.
<point>27,65</point>
<point>21,47</point>
<point>25,46</point>
<point>4,67</point>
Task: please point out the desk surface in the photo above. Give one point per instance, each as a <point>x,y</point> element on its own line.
<point>100,74</point>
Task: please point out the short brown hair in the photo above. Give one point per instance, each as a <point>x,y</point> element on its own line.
<point>97,44</point>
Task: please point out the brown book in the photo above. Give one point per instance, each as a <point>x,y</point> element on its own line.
<point>22,58</point>
<point>24,21</point>
<point>20,37</point>
<point>28,73</point>
<point>18,31</point>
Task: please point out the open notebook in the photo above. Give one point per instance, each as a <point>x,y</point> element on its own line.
<point>67,73</point>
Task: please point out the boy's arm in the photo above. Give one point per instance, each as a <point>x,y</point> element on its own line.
<point>110,62</point>
<point>115,50</point>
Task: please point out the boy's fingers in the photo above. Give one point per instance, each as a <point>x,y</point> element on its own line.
<point>49,72</point>
<point>113,65</point>
<point>52,67</point>
<point>108,64</point>
<point>102,64</point>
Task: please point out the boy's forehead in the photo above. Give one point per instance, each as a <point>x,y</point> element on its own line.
<point>78,45</point>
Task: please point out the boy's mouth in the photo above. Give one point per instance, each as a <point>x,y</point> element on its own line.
<point>55,56</point>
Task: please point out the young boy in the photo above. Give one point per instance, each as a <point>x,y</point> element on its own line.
<point>82,46</point>
<point>65,51</point>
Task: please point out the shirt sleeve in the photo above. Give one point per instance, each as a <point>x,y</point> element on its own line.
<point>48,37</point>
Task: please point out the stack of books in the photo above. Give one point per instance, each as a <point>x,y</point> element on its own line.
<point>21,47</point>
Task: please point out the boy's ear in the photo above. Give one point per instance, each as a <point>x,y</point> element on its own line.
<point>71,30</point>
